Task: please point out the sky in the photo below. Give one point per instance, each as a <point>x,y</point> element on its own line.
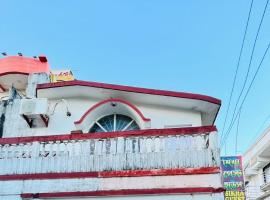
<point>189,46</point>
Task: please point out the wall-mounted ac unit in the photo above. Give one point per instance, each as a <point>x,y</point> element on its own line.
<point>35,112</point>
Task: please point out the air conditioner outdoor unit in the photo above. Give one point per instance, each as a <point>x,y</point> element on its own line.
<point>35,112</point>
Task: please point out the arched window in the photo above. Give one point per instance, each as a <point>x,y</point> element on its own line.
<point>113,123</point>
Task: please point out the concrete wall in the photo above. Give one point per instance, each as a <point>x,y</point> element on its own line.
<point>105,184</point>
<point>60,123</point>
<point>255,158</point>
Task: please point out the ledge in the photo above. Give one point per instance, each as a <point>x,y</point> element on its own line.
<point>110,174</point>
<point>137,133</point>
<point>125,192</point>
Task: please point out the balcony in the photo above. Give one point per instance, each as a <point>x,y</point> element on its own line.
<point>131,150</point>
<point>253,192</point>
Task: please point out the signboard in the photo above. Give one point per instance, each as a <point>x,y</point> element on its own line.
<point>233,177</point>
<point>61,75</point>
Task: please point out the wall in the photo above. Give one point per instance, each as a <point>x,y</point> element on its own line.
<point>60,123</point>
<point>15,126</point>
<point>258,154</point>
<point>107,184</point>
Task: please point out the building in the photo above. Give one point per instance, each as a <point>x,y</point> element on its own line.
<point>257,168</point>
<point>78,139</point>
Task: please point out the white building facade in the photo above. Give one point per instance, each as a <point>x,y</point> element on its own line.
<point>79,139</point>
<point>257,168</point>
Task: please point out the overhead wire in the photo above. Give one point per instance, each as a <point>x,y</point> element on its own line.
<point>237,67</point>
<point>249,88</point>
<point>224,137</point>
<point>260,128</point>
<point>237,133</point>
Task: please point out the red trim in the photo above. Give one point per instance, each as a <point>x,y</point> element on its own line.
<point>43,59</point>
<point>9,73</point>
<point>130,89</point>
<point>110,174</point>
<point>112,100</point>
<point>137,133</point>
<point>125,192</point>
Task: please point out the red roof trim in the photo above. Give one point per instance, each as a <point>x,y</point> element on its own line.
<point>130,89</point>
<point>187,190</point>
<point>137,133</point>
<point>110,174</point>
<point>111,100</point>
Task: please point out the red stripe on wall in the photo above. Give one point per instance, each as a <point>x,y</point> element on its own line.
<point>110,174</point>
<point>112,100</point>
<point>153,191</point>
<point>130,89</point>
<point>137,133</point>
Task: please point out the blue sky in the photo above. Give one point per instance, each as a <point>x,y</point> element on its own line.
<point>176,45</point>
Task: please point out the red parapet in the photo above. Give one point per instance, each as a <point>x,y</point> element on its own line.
<point>14,70</point>
<point>23,65</point>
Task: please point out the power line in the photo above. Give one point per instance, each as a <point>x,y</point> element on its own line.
<point>237,67</point>
<point>259,130</point>
<point>247,74</point>
<point>237,132</point>
<point>248,90</point>
<point>250,61</point>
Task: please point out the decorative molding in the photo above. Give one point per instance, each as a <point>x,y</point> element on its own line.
<point>112,100</point>
<point>136,133</point>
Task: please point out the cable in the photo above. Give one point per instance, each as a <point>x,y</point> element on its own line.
<point>259,130</point>
<point>258,68</point>
<point>247,74</point>
<point>66,104</point>
<point>250,61</point>
<point>237,67</point>
<point>237,132</point>
<point>248,90</point>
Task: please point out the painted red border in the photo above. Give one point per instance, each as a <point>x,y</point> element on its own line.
<point>110,174</point>
<point>130,89</point>
<point>137,133</point>
<point>125,192</point>
<point>14,72</point>
<point>112,100</point>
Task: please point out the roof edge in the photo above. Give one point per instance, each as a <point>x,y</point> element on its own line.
<point>130,89</point>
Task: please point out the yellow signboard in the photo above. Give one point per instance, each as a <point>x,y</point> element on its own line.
<point>61,75</point>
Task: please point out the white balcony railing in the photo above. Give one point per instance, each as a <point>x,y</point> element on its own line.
<point>153,152</point>
<point>253,192</point>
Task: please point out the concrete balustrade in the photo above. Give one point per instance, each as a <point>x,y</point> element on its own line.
<point>130,153</point>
